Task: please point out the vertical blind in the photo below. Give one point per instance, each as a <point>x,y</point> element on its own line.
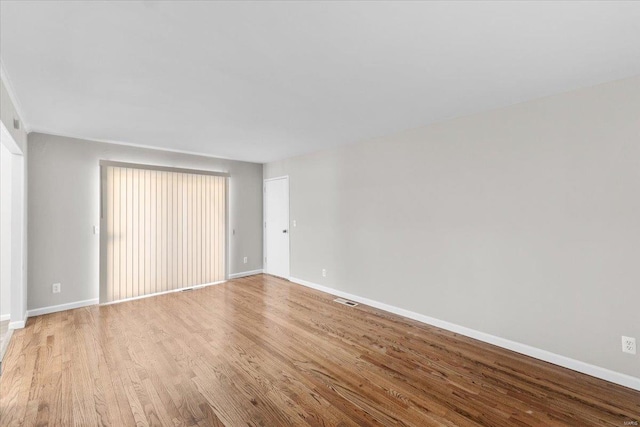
<point>162,230</point>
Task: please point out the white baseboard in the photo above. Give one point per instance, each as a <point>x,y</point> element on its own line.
<point>61,307</point>
<point>188,288</point>
<point>19,324</point>
<point>4,317</point>
<point>547,356</point>
<point>85,303</point>
<point>244,274</point>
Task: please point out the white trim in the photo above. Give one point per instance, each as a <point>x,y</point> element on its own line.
<point>227,225</point>
<point>131,144</point>
<point>7,139</point>
<point>547,356</point>
<point>245,274</point>
<point>188,288</point>
<point>61,307</point>
<point>18,227</point>
<point>18,324</point>
<point>12,96</point>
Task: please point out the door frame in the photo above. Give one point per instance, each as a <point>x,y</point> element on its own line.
<point>18,288</point>
<point>264,222</point>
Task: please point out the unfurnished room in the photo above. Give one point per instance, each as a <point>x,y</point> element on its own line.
<point>319,213</point>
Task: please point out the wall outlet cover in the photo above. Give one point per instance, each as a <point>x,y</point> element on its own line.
<point>628,345</point>
<point>56,288</point>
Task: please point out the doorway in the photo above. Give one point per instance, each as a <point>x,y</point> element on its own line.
<point>12,234</point>
<point>276,226</point>
<point>5,245</point>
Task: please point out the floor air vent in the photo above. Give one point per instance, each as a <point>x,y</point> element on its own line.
<point>345,302</point>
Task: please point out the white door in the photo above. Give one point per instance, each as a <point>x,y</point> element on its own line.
<point>276,221</point>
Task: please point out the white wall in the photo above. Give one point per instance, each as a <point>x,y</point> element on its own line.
<point>5,232</point>
<point>523,222</point>
<point>9,113</point>
<point>17,139</point>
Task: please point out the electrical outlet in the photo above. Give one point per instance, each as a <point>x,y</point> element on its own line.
<point>295,224</point>
<point>628,345</point>
<point>324,272</point>
<point>55,288</point>
<point>245,260</point>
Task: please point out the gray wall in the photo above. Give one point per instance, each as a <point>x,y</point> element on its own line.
<point>64,204</point>
<point>522,222</point>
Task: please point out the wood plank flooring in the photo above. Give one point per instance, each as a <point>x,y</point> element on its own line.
<point>260,351</point>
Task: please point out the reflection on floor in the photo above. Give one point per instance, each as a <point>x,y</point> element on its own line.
<point>4,339</point>
<point>4,326</point>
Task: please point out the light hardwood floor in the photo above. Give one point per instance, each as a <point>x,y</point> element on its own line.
<point>5,334</point>
<point>261,351</point>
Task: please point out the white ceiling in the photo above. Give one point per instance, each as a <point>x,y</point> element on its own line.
<point>268,80</point>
